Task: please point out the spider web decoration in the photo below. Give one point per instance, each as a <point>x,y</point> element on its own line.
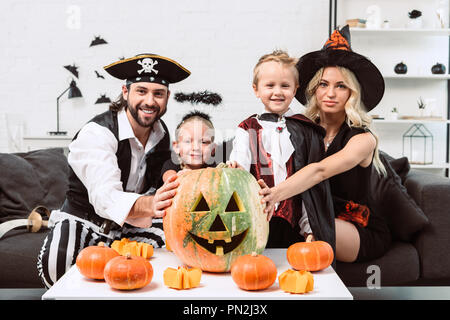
<point>204,97</point>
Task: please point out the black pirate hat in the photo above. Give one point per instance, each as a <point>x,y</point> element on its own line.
<point>148,67</point>
<point>337,52</point>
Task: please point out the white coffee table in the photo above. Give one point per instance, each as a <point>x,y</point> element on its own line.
<point>213,286</point>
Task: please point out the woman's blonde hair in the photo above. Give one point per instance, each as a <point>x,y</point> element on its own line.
<point>356,116</point>
<point>279,56</point>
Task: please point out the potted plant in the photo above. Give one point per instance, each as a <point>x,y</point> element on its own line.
<point>415,19</point>
<point>422,106</point>
<point>393,115</point>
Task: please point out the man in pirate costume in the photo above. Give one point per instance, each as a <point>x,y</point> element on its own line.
<point>275,144</point>
<point>115,162</point>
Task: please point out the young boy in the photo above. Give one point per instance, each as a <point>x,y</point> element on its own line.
<point>275,144</point>
<point>194,145</point>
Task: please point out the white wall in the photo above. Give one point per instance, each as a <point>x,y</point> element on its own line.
<point>219,41</point>
<point>419,52</point>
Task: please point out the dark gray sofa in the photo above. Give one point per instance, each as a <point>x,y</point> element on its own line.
<point>425,259</point>
<point>28,180</point>
<point>419,254</point>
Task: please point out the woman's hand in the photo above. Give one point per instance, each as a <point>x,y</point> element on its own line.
<point>164,195</point>
<point>267,199</point>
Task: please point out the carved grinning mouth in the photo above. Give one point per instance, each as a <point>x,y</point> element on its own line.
<point>220,247</point>
<point>223,243</point>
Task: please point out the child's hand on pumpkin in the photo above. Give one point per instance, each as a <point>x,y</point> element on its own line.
<point>181,172</point>
<point>234,164</point>
<point>168,174</point>
<point>266,199</point>
<point>164,195</point>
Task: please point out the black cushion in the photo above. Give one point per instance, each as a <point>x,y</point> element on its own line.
<point>390,198</point>
<point>30,179</point>
<point>19,251</point>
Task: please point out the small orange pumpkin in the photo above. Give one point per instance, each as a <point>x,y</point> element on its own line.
<point>253,272</point>
<point>294,281</point>
<point>128,272</point>
<point>91,261</point>
<point>310,256</point>
<point>124,246</point>
<point>182,278</point>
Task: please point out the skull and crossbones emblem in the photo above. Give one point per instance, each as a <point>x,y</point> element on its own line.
<point>148,65</point>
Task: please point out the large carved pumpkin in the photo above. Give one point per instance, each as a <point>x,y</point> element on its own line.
<point>215,217</point>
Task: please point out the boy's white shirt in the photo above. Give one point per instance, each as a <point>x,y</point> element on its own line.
<point>280,148</point>
<point>92,157</point>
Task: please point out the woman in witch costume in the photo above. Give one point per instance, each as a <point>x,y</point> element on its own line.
<point>339,87</point>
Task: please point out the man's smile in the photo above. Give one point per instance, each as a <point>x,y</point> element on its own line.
<point>149,111</point>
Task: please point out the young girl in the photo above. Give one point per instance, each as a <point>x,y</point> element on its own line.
<point>194,145</point>
<point>275,144</point>
<point>339,86</point>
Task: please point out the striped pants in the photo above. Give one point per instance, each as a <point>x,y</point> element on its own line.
<point>68,237</point>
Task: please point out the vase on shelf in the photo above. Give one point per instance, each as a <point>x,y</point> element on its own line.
<point>393,115</point>
<point>415,20</point>
<point>401,68</point>
<point>438,68</point>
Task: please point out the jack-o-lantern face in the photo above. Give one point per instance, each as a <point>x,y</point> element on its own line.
<point>216,217</point>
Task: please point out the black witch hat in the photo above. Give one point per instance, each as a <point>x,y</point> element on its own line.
<point>337,52</point>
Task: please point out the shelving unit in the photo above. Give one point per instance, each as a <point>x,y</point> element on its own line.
<point>410,121</point>
<point>401,32</point>
<point>413,76</point>
<point>419,49</point>
<point>31,143</point>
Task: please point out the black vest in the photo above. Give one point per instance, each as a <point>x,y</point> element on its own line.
<point>77,200</point>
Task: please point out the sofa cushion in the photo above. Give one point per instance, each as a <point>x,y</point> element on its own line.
<point>390,198</point>
<point>432,193</point>
<point>399,265</point>
<point>30,179</point>
<point>19,252</point>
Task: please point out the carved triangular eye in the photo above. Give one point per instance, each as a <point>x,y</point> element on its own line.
<point>235,204</point>
<point>201,205</point>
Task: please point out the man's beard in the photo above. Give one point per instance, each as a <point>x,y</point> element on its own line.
<point>134,111</point>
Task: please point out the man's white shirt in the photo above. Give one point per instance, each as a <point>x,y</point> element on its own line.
<point>92,157</point>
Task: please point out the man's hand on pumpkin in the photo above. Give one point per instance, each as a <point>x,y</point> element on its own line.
<point>141,213</point>
<point>164,195</point>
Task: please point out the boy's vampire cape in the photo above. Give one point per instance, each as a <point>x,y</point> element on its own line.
<point>307,139</point>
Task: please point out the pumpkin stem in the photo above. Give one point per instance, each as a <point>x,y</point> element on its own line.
<point>128,255</point>
<point>101,244</point>
<point>222,165</point>
<point>309,237</point>
<point>254,254</point>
